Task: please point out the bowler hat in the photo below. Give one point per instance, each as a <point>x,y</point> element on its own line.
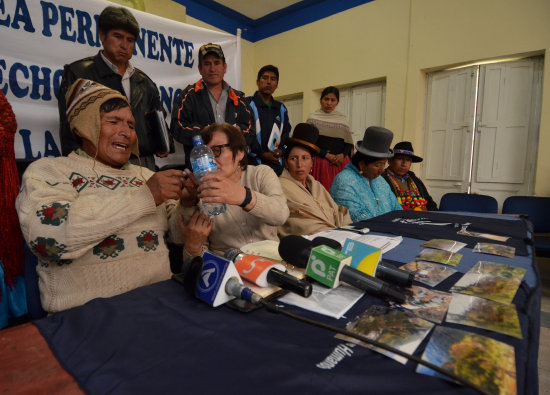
<point>304,134</point>
<point>216,49</point>
<point>406,148</point>
<point>376,142</point>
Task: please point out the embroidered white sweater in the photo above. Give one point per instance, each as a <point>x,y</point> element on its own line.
<point>95,229</point>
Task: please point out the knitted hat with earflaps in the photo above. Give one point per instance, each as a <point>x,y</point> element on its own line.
<point>84,98</point>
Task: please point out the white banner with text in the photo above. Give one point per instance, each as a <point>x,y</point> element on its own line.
<point>39,37</point>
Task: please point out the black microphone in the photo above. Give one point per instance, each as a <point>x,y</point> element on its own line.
<point>387,272</point>
<point>327,266</point>
<point>320,240</point>
<point>189,274</point>
<point>263,272</point>
<point>384,271</point>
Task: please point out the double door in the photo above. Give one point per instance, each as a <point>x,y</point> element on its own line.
<point>482,127</point>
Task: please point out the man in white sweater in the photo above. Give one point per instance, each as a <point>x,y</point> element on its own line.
<point>96,222</point>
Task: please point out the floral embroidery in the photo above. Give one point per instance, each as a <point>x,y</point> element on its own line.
<point>110,247</point>
<point>78,181</point>
<point>108,182</point>
<point>54,214</point>
<point>48,247</point>
<point>148,240</point>
<point>136,182</point>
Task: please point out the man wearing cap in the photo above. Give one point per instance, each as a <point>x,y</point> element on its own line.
<point>96,222</point>
<point>118,30</point>
<point>272,123</point>
<point>209,100</point>
<point>410,191</point>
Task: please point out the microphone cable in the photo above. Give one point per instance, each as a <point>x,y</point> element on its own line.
<point>276,309</point>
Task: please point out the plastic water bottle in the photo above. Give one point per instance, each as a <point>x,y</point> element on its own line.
<point>203,163</point>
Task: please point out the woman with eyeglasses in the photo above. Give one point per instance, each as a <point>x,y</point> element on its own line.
<point>255,201</point>
<point>312,209</point>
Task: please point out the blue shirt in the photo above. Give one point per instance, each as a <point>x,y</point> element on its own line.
<point>364,198</point>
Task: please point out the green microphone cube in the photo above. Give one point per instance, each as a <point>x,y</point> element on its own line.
<point>325,265</point>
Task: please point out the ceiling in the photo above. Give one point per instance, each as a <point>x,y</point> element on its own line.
<point>255,9</point>
<point>260,19</point>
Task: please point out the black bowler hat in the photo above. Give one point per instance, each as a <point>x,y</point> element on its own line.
<point>406,148</point>
<point>376,142</point>
<point>306,135</point>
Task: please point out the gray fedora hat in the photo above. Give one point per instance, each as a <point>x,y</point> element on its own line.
<point>376,142</point>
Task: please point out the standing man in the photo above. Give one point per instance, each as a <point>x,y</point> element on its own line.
<point>209,100</point>
<point>118,30</point>
<point>272,124</point>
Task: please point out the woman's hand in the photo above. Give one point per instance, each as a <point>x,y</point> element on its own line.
<point>335,160</point>
<point>195,231</point>
<point>216,188</point>
<point>339,159</point>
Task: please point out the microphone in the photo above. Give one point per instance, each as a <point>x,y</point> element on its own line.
<point>219,282</point>
<point>367,259</point>
<point>390,273</point>
<point>329,266</point>
<point>263,272</point>
<point>371,265</point>
<point>320,240</point>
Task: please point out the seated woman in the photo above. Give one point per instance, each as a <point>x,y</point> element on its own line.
<point>407,187</point>
<point>359,186</point>
<point>255,201</point>
<point>311,207</point>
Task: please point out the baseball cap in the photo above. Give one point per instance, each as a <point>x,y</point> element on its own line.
<point>205,49</point>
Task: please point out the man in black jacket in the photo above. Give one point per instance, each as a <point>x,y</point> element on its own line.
<point>210,100</point>
<point>118,30</point>
<point>410,191</point>
<point>272,124</point>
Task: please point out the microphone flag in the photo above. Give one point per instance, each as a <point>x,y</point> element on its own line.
<point>325,265</point>
<point>363,256</point>
<point>255,269</point>
<point>216,272</point>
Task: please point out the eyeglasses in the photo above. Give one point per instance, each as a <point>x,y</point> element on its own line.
<point>217,149</point>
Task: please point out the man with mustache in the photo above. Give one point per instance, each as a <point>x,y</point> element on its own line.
<point>118,31</point>
<point>210,100</point>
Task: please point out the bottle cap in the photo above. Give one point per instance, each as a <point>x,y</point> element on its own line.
<point>197,140</point>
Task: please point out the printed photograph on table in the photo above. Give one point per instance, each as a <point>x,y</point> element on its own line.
<point>495,249</point>
<point>489,236</point>
<point>444,244</point>
<point>428,273</point>
<point>399,329</point>
<point>483,313</point>
<point>488,363</point>
<point>428,304</point>
<point>439,256</point>
<point>491,280</point>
